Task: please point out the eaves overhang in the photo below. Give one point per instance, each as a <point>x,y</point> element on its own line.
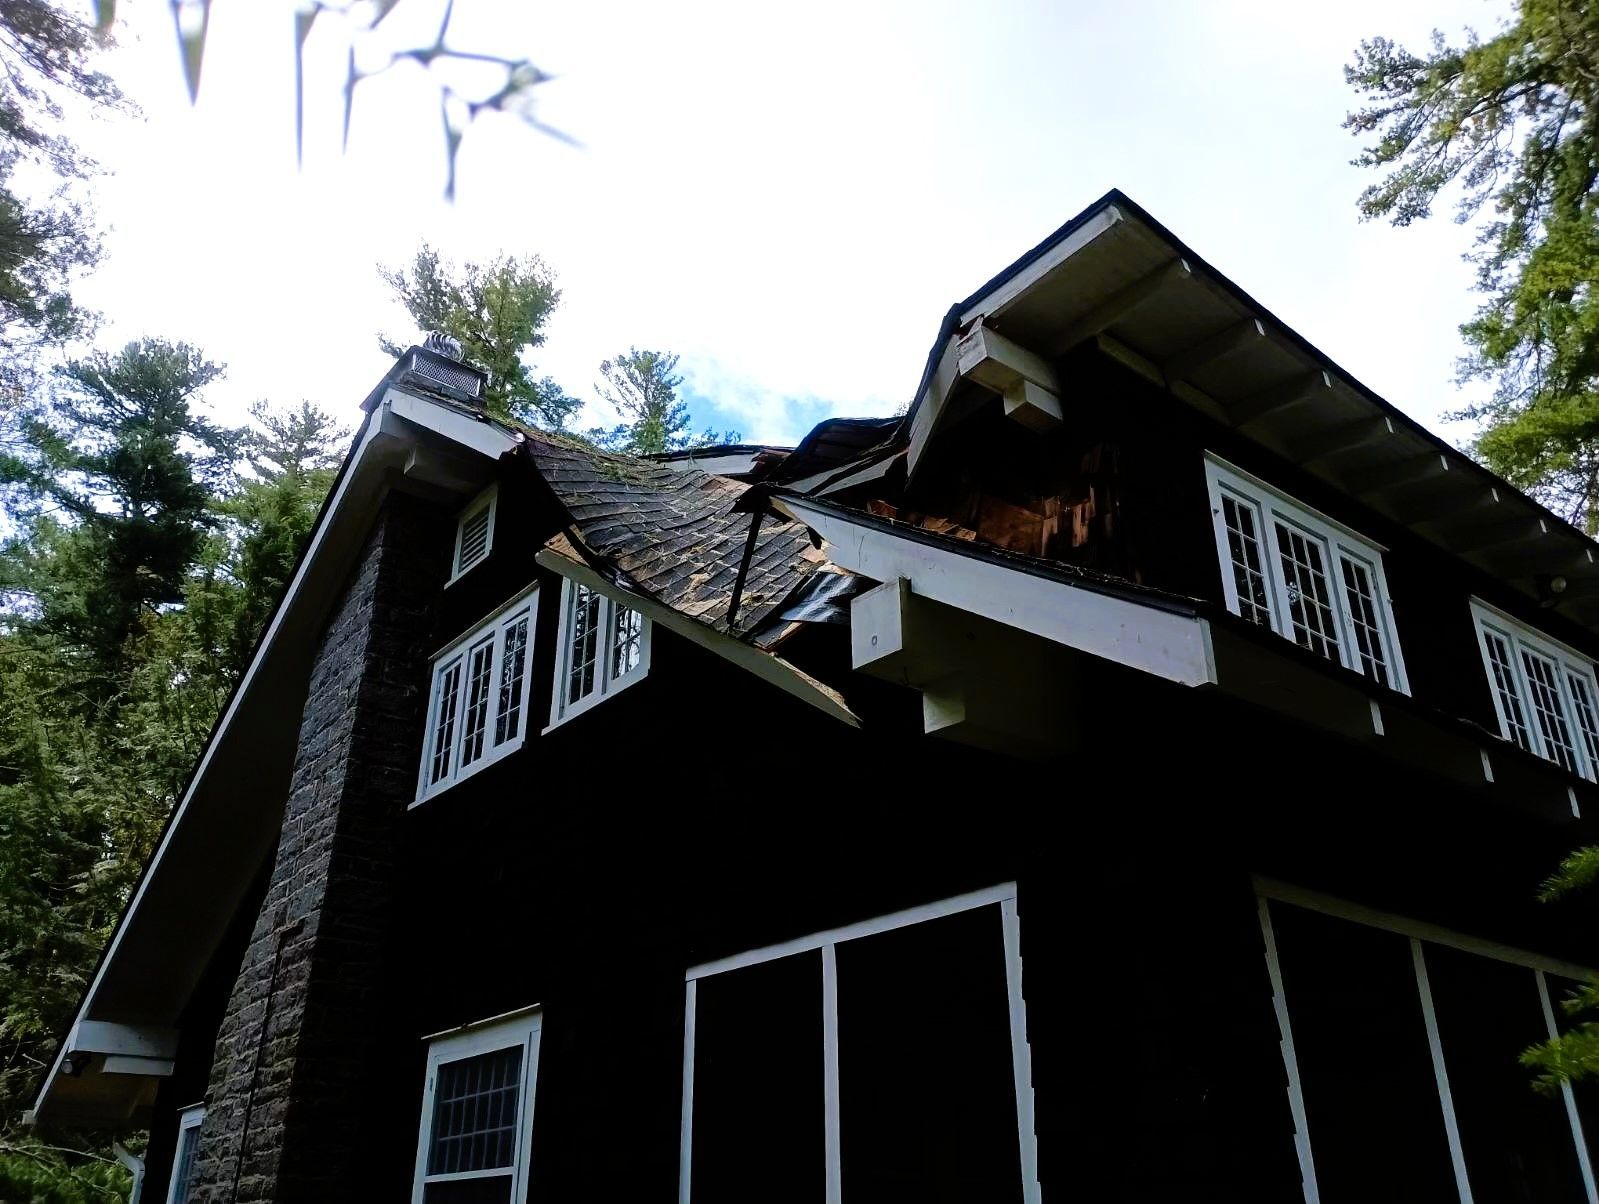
<point>226,823</point>
<point>1115,278</point>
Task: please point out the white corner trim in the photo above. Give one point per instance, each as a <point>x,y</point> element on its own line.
<point>1440,1071</point>
<point>762,664</point>
<point>486,438</point>
<point>1172,646</point>
<point>1285,1030</point>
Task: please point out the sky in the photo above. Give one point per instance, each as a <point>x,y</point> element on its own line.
<point>789,197</point>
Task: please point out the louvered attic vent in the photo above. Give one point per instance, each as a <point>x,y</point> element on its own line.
<point>474,537</point>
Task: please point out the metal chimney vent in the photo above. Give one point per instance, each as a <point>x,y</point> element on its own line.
<point>435,371</point>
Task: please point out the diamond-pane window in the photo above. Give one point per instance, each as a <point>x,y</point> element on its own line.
<point>1298,573</point>
<point>480,687</point>
<point>1543,692</point>
<point>604,646</point>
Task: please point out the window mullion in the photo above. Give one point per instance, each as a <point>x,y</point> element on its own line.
<point>1518,651</point>
<point>1568,709</point>
<point>602,646</point>
<point>1276,582</point>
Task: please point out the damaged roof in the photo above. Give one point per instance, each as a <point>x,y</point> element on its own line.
<point>672,531</point>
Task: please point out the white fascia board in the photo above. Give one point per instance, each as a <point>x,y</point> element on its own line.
<point>1172,646</point>
<point>995,301</point>
<point>762,664</point>
<point>378,431</point>
<point>476,434</point>
<point>125,1040</point>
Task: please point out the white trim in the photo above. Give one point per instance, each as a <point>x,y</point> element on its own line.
<point>189,1118</point>
<point>831,1127</point>
<point>685,1149</point>
<point>522,1029</point>
<point>1285,1029</point>
<point>1004,896</point>
<point>1270,506</point>
<point>1519,638</point>
<point>1021,1055</point>
<point>480,435</point>
<point>1343,909</point>
<point>604,685</point>
<point>850,932</point>
<point>458,655</point>
<point>1148,638</point>
<point>1440,1072</point>
<point>1584,1162</point>
<point>488,500</point>
<point>769,668</point>
<point>995,301</point>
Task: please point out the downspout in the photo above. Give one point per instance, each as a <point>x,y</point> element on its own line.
<point>135,1166</point>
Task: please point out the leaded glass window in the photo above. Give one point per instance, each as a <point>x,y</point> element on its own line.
<point>604,646</point>
<point>1543,692</point>
<point>1289,569</point>
<point>480,685</point>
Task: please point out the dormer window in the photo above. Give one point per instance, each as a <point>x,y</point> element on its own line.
<point>474,533</point>
<point>1543,692</point>
<point>1303,575</point>
<point>604,647</point>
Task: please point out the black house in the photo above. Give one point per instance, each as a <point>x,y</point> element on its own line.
<point>1127,776</point>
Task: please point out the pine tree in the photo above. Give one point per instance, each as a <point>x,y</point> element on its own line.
<point>498,311</point>
<point>1510,123</point>
<point>120,452</point>
<point>642,387</point>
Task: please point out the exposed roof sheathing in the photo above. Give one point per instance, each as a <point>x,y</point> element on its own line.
<point>673,533</point>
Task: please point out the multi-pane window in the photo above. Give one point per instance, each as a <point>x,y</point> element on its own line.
<point>479,695</point>
<point>474,532</point>
<point>181,1186</point>
<point>1302,575</point>
<point>604,646</point>
<point>477,1113</point>
<point>1543,692</point>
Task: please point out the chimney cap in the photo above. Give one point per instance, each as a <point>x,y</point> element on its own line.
<point>442,343</point>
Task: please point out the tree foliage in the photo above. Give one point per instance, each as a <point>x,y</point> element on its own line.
<point>45,60</point>
<point>642,387</point>
<point>498,311</point>
<point>146,548</point>
<point>1506,126</point>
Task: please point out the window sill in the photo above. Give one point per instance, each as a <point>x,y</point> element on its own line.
<point>594,700</point>
<point>491,757</point>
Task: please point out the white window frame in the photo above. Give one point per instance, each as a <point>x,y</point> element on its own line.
<point>604,684</point>
<point>521,1028</point>
<point>1269,890</point>
<point>489,498</point>
<point>1568,663</point>
<point>459,652</point>
<point>1338,543</point>
<point>1002,896</point>
<point>188,1118</point>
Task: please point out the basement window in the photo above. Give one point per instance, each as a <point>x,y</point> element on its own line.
<point>474,533</point>
<point>1543,692</point>
<point>477,710</point>
<point>181,1186</point>
<point>818,1068</point>
<point>477,1113</point>
<point>1300,574</point>
<point>604,647</point>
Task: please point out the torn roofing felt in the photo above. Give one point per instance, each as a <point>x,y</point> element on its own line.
<point>671,531</point>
